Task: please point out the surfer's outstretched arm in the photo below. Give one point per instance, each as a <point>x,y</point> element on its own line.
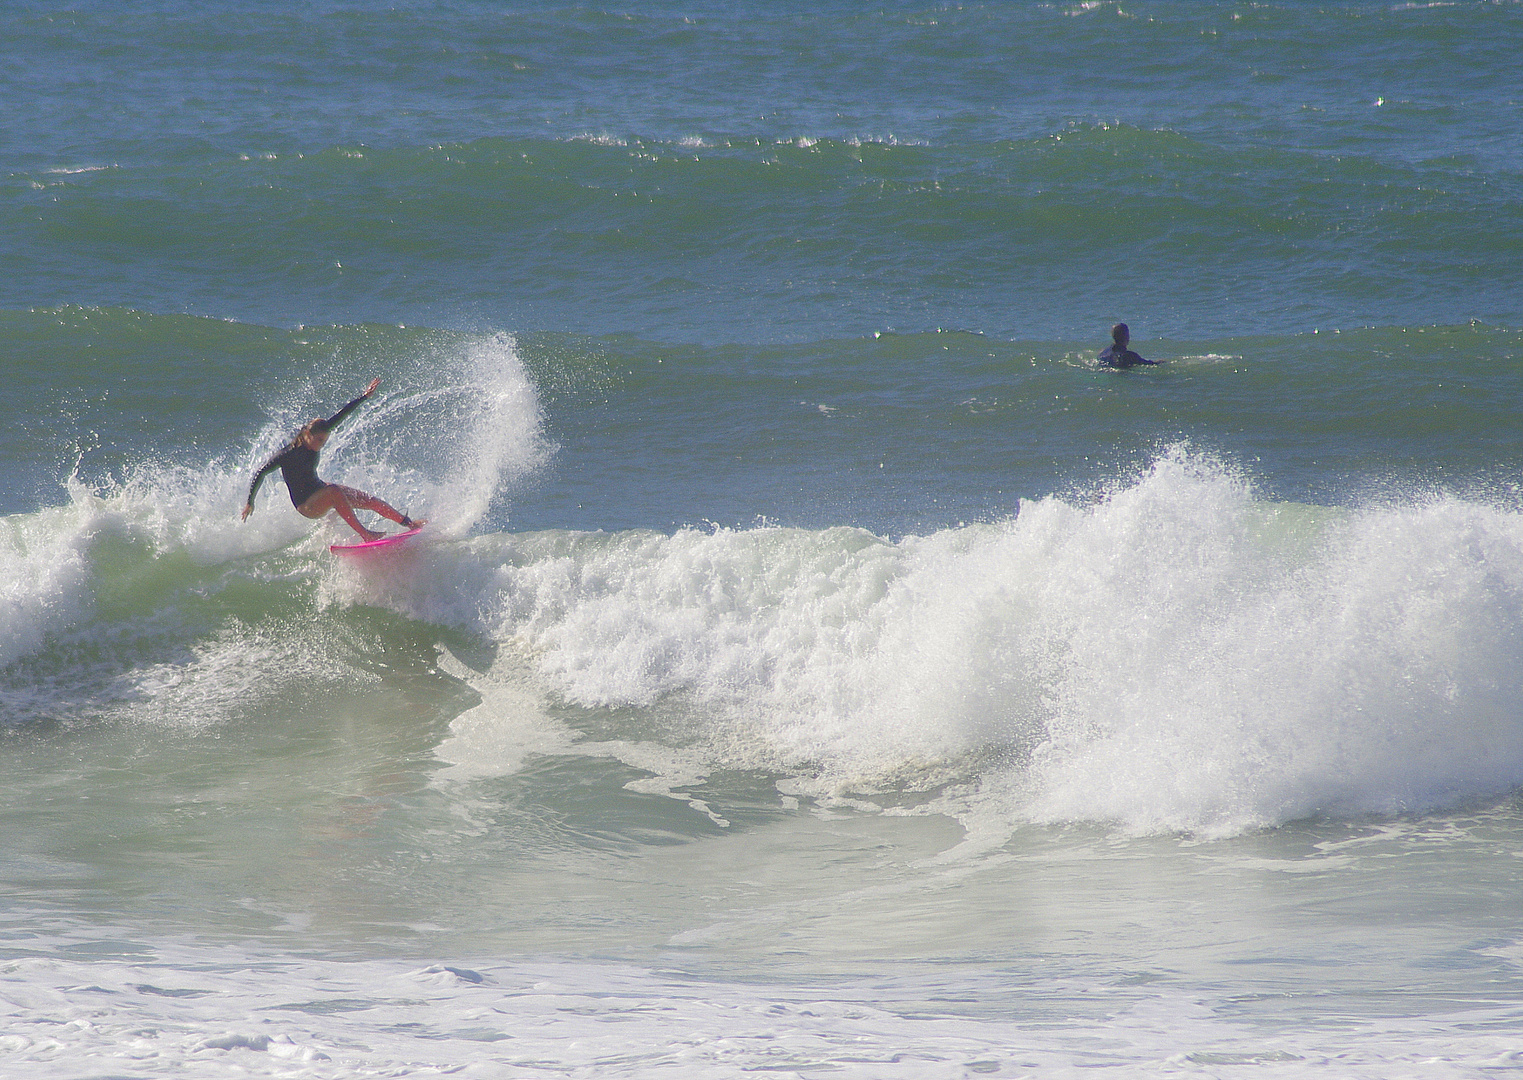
<point>264,470</point>
<point>334,420</point>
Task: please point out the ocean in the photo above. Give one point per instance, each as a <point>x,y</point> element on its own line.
<point>816,664</point>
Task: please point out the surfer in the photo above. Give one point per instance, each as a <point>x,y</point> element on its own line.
<point>1117,355</point>
<point>313,497</point>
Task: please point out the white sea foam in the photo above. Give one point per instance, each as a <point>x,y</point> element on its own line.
<point>601,138</point>
<point>1216,685</point>
<point>43,574</point>
<point>1178,655</point>
<point>205,1013</point>
<point>498,735</point>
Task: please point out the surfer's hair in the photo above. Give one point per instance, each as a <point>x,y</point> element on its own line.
<point>1120,333</point>
<point>316,426</point>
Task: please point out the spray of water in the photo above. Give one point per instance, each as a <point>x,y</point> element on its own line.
<point>460,428</point>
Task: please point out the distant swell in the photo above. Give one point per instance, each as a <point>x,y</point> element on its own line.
<point>675,238</point>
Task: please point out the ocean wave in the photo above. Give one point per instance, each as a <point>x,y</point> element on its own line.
<point>1169,648</point>
<point>1178,656</point>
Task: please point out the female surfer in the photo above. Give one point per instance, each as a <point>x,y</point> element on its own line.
<point>312,497</point>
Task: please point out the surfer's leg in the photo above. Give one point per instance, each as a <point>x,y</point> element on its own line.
<point>337,498</point>
<point>365,501</point>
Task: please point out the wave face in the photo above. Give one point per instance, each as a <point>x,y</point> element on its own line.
<point>896,433</point>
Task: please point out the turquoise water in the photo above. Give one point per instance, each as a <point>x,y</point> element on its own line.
<point>815,663</point>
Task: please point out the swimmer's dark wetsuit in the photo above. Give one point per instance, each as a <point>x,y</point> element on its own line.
<point>1119,356</point>
<point>298,465</point>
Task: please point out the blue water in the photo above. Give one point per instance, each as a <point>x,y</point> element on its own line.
<point>730,174</point>
<point>815,662</point>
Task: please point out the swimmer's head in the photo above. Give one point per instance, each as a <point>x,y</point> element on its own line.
<point>1120,334</point>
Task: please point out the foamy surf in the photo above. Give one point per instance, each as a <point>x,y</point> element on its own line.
<point>210,1012</point>
<point>1178,655</point>
<point>1174,654</point>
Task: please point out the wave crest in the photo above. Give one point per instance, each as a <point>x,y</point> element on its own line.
<point>1178,655</point>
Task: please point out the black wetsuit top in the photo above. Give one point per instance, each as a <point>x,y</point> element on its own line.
<point>1117,357</point>
<point>298,465</point>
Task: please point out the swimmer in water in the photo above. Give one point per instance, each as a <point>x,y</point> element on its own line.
<point>1117,355</point>
<point>312,497</point>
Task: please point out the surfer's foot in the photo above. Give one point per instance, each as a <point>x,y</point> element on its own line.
<point>411,523</point>
<point>371,536</point>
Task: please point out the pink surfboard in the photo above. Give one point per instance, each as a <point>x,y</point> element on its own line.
<point>374,545</point>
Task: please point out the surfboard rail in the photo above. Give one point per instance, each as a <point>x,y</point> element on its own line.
<point>367,546</point>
